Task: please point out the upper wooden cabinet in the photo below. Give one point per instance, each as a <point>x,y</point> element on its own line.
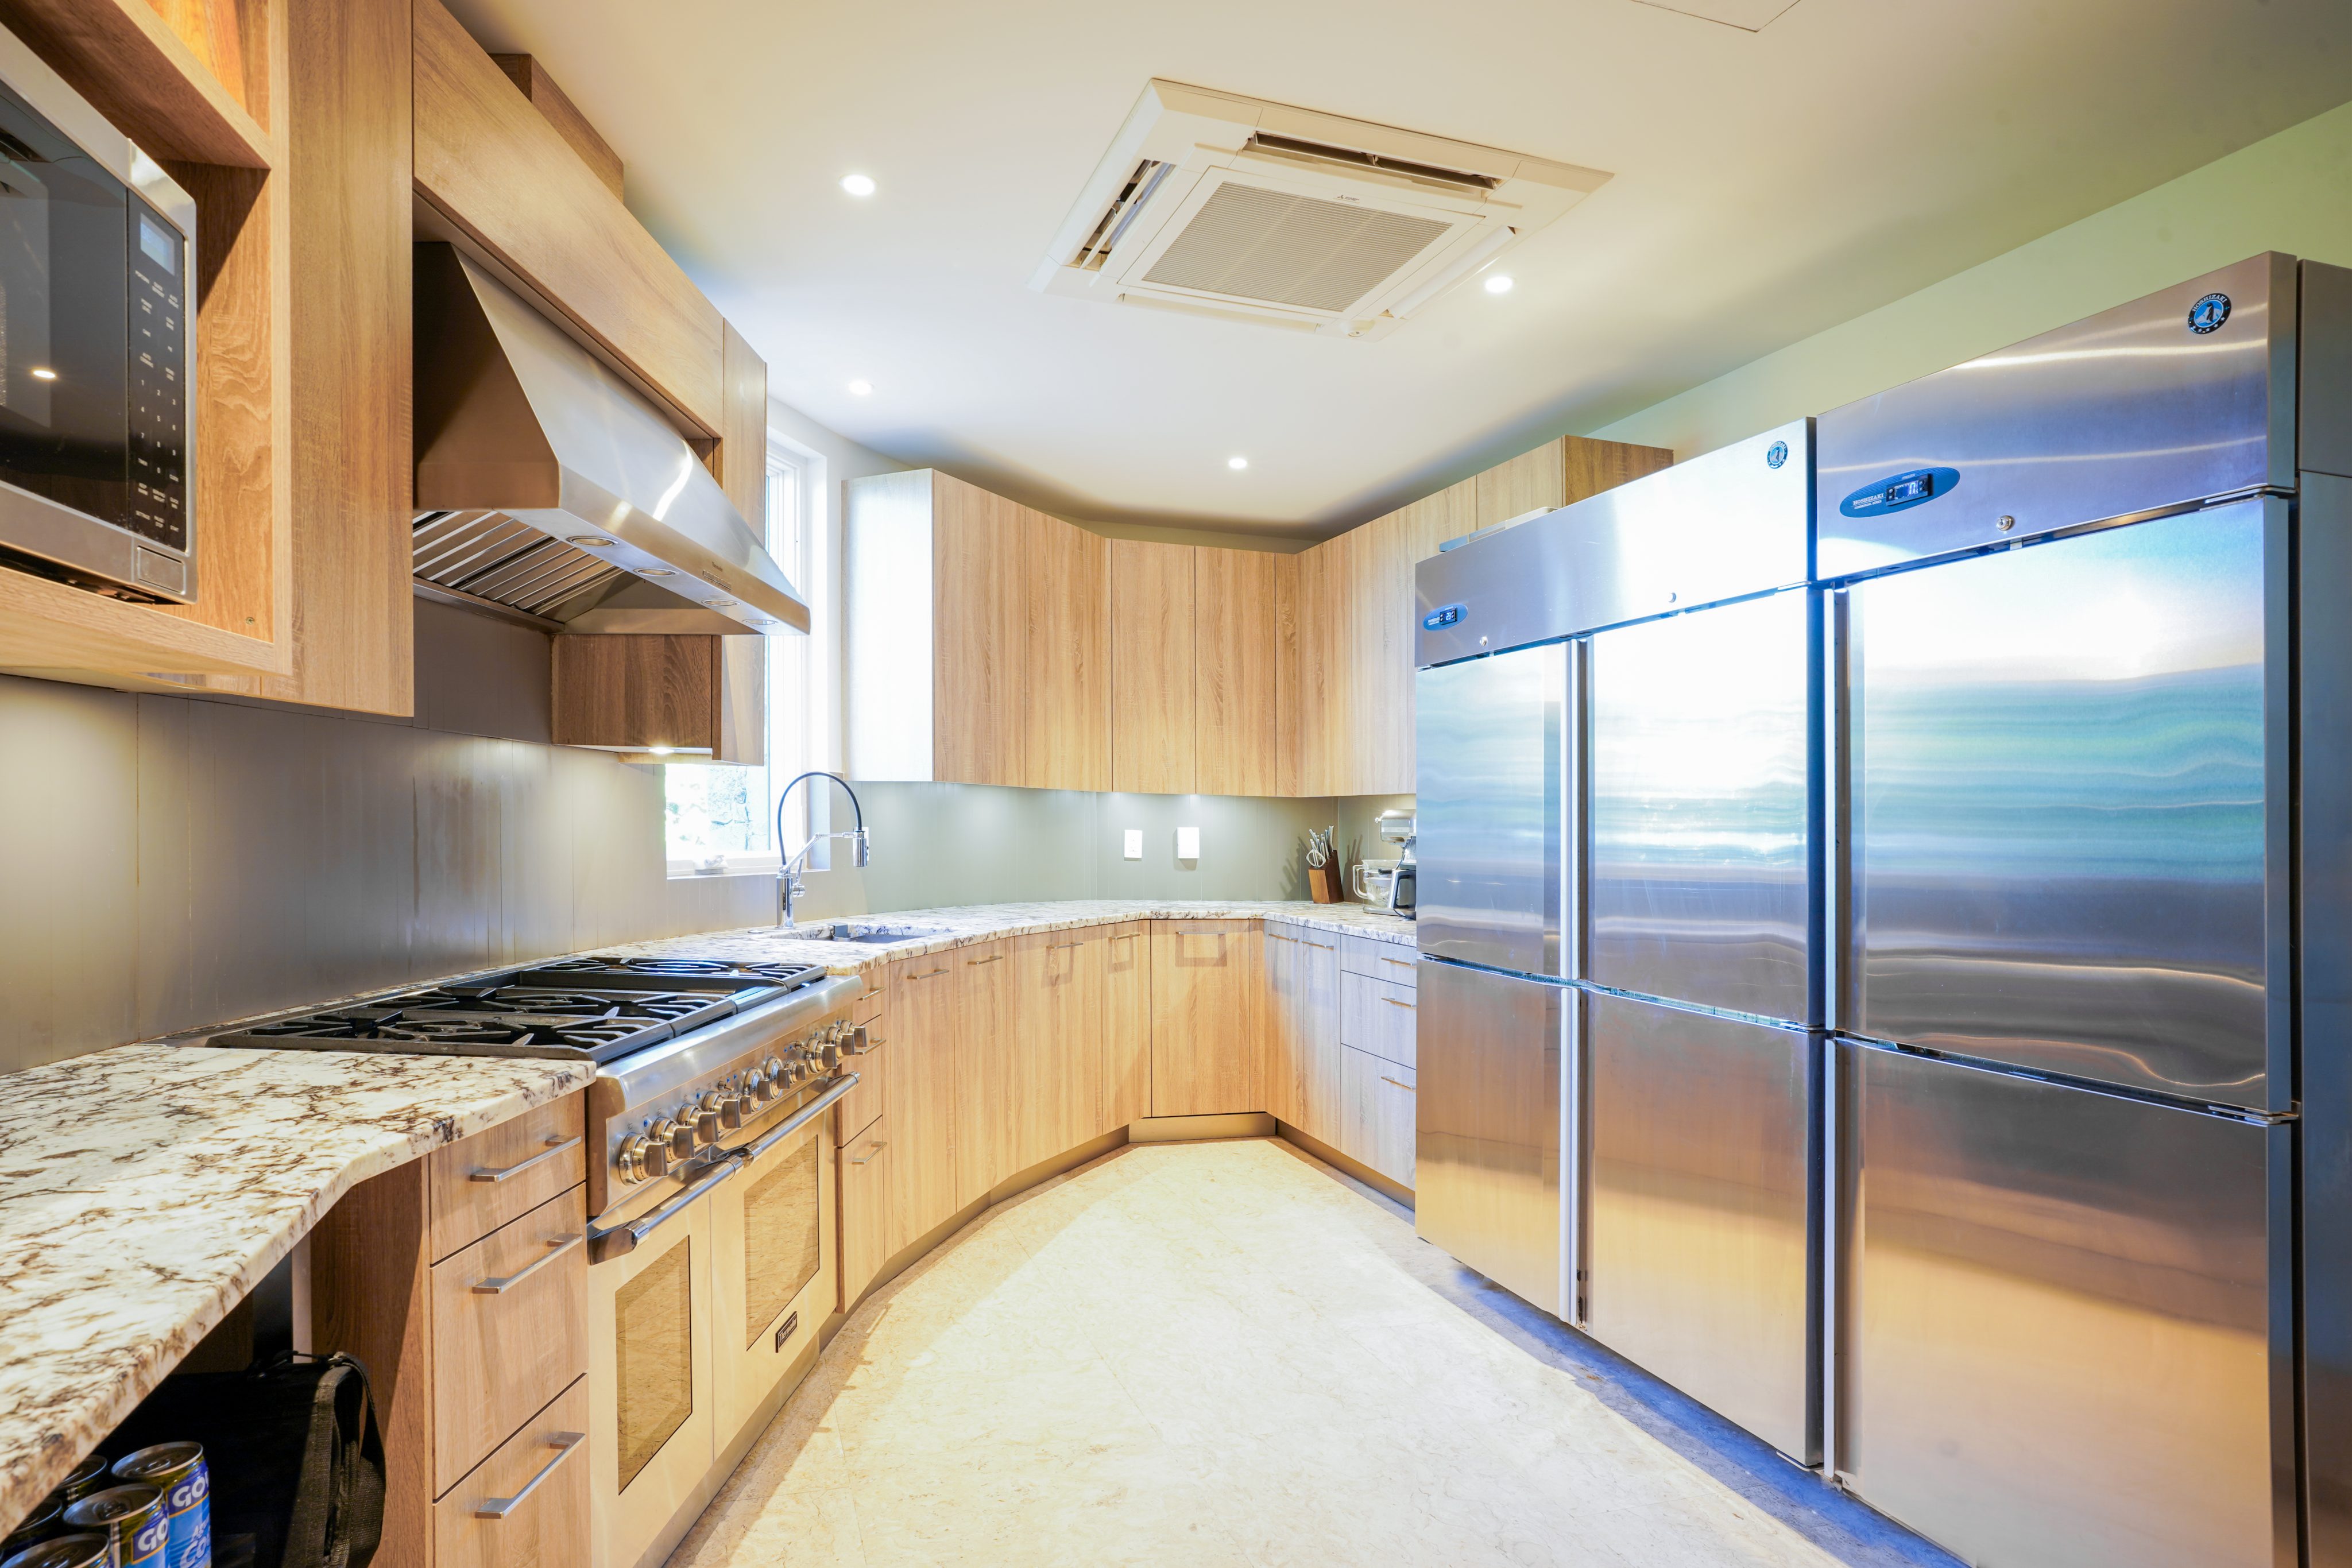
<point>1245,690</point>
<point>976,635</point>
<point>1154,667</point>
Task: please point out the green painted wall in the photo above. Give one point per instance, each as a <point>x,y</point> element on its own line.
<point>2291,192</point>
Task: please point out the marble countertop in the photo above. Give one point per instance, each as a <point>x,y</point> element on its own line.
<point>146,1189</point>
<point>964,924</point>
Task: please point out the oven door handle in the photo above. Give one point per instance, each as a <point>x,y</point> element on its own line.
<point>799,1119</point>
<point>614,1241</point>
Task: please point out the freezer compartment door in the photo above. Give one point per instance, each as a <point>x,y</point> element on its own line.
<point>1701,881</point>
<point>2059,819</point>
<point>2060,1352</point>
<point>1701,1262</point>
<point>1487,1184</point>
<point>1491,734</point>
<point>2172,400</point>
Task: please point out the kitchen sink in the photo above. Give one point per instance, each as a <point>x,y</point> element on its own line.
<point>872,935</point>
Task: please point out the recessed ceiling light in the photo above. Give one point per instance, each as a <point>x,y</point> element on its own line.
<point>860,388</point>
<point>655,571</point>
<point>1236,462</point>
<point>1499,283</point>
<point>589,541</point>
<point>858,184</point>
<point>43,373</point>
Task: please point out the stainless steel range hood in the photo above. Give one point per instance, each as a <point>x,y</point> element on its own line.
<point>548,487</point>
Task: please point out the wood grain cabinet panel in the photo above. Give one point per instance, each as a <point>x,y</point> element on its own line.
<point>1126,1025</point>
<point>625,692</point>
<point>1153,666</point>
<point>1066,710</point>
<point>1064,1094</point>
<point>920,1098</point>
<point>1319,1093</point>
<point>1207,995</point>
<point>981,637</point>
<point>1379,960</point>
<point>1378,1114</point>
<point>1378,1017</point>
<point>1245,640</point>
<point>550,1527</point>
<point>991,1041</point>
<point>499,1176</point>
<point>509,1331</point>
<point>867,1240</point>
<point>1283,1024</point>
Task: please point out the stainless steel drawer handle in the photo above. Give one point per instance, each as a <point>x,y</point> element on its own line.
<point>556,1144</point>
<point>1406,1087</point>
<point>1400,963</point>
<point>561,1245</point>
<point>928,975</point>
<point>1278,936</point>
<point>871,1151</point>
<point>1310,942</point>
<point>566,1444</point>
<point>992,959</point>
<point>616,1241</point>
<point>1408,1006</point>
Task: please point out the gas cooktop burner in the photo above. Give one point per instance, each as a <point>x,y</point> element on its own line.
<point>543,1011</point>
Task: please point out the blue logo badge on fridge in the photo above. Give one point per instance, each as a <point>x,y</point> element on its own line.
<point>1776,455</point>
<point>2208,314</point>
<point>1439,620</point>
<point>1886,497</point>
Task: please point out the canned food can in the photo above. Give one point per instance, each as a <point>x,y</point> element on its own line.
<point>34,1528</point>
<point>66,1551</point>
<point>91,1474</point>
<point>178,1470</point>
<point>131,1517</point>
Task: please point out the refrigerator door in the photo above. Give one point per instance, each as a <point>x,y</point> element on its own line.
<point>1492,737</point>
<point>1701,885</point>
<point>1487,1181</point>
<point>2060,1351</point>
<point>2180,397</point>
<point>1703,1230</point>
<point>2060,827</point>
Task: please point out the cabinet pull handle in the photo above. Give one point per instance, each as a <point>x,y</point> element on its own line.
<point>565,1444</point>
<point>1408,1007</point>
<point>559,1245</point>
<point>992,959</point>
<point>878,1146</point>
<point>1278,936</point>
<point>1057,946</point>
<point>1400,963</point>
<point>926,975</point>
<point>1312,943</point>
<point>1406,1087</point>
<point>556,1143</point>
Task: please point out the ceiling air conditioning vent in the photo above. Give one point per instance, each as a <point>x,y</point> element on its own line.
<point>1254,211</point>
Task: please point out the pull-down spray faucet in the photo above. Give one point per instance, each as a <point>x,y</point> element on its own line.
<point>789,886</point>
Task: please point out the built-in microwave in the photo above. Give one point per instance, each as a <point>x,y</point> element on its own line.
<point>96,347</point>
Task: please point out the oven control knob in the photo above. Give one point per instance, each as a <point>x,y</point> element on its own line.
<point>677,1135</point>
<point>641,1158</point>
<point>829,1053</point>
<point>762,1087</point>
<point>730,1109</point>
<point>705,1125</point>
<point>854,1041</point>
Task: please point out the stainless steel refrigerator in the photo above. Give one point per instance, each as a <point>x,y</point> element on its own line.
<point>1618,905</point>
<point>2087,607</point>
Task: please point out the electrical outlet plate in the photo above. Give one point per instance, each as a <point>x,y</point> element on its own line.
<point>1188,843</point>
<point>1134,843</point>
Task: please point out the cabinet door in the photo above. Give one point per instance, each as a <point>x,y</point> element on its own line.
<point>1127,1026</point>
<point>865,1234</point>
<point>1286,1062</point>
<point>1076,980</point>
<point>1322,691</point>
<point>1207,985</point>
<point>979,637</point>
<point>991,1037</point>
<point>1319,1093</point>
<point>1068,716</point>
<point>1378,1114</point>
<point>1152,667</point>
<point>1246,650</point>
<point>919,1099</point>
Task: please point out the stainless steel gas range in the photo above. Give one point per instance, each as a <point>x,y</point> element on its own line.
<point>711,1235</point>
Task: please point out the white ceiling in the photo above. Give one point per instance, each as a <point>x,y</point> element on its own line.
<point>1769,183</point>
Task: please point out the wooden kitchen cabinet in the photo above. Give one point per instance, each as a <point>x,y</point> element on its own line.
<point>1063,982</point>
<point>920,1098</point>
<point>991,1050</point>
<point>1154,662</point>
<point>867,1239</point>
<point>509,1331</point>
<point>976,636</point>
<point>1126,1025</point>
<point>1377,1114</point>
<point>1302,1028</point>
<point>1207,984</point>
<point>551,1528</point>
<point>1245,651</point>
<point>703,699</point>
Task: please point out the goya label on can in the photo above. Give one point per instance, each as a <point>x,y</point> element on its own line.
<point>66,1551</point>
<point>178,1470</point>
<point>131,1517</point>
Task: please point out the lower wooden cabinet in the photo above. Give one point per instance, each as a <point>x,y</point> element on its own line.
<point>1377,1115</point>
<point>548,1526</point>
<point>1207,986</point>
<point>990,1048</point>
<point>867,1240</point>
<point>509,1331</point>
<point>1378,1017</point>
<point>922,1095</point>
<point>1062,980</point>
<point>1127,1024</point>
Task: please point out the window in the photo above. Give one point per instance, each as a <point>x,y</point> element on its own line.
<point>722,818</point>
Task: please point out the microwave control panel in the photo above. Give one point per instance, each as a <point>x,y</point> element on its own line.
<point>159,292</point>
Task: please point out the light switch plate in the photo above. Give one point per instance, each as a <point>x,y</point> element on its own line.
<point>1135,843</point>
<point>1188,843</point>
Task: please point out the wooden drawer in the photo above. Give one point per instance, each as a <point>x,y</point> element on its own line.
<point>1377,1017</point>
<point>494,1178</point>
<point>1379,960</point>
<point>499,1355</point>
<point>545,1526</point>
<point>865,1238</point>
<point>1377,1108</point>
<point>862,1104</point>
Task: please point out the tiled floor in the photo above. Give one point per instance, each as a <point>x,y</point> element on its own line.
<point>1225,1353</point>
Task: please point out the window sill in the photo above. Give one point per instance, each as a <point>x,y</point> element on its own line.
<point>729,865</point>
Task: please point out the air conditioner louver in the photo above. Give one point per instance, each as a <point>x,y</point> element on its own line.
<point>1235,208</point>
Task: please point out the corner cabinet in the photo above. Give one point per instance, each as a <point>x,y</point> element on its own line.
<point>976,633</point>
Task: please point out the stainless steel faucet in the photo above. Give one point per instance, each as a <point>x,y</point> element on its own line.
<point>789,885</point>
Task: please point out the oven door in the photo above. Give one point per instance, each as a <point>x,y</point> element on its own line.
<point>650,1377</point>
<point>772,1261</point>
